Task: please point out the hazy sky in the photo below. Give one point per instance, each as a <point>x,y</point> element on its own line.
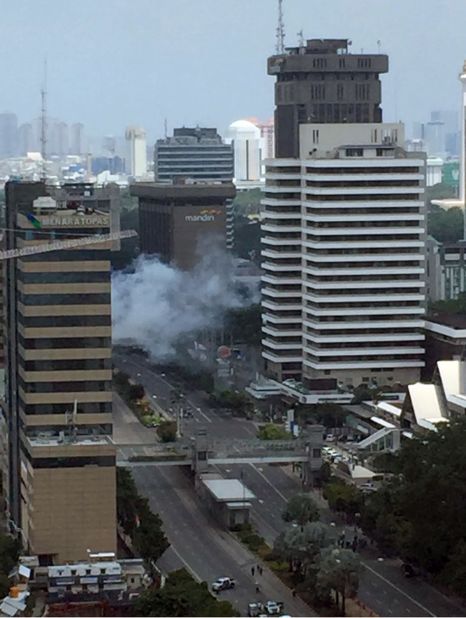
<point>118,62</point>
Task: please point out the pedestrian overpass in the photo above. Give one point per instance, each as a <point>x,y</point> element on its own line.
<point>202,451</point>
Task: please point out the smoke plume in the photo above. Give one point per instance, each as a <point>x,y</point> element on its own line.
<point>158,305</point>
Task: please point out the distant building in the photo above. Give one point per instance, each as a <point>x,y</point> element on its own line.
<point>174,219</point>
<point>77,139</point>
<point>137,152</point>
<point>434,171</point>
<point>445,339</point>
<point>196,153</point>
<point>8,135</point>
<point>322,82</point>
<point>446,269</point>
<point>61,459</point>
<point>25,139</point>
<point>112,164</point>
<point>246,140</point>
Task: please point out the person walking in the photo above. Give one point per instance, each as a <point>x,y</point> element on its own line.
<point>253,570</point>
<point>260,570</point>
<point>257,588</point>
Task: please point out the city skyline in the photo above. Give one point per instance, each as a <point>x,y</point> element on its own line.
<point>144,78</point>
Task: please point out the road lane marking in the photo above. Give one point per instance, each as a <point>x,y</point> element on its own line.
<point>190,569</point>
<point>398,589</point>
<point>277,491</point>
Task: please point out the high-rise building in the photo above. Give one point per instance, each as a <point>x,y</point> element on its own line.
<point>321,82</point>
<point>137,152</point>
<point>62,139</point>
<point>8,135</point>
<point>77,139</point>
<point>175,219</point>
<point>344,245</point>
<point>61,491</point>
<point>25,138</point>
<point>245,138</point>
<point>193,153</point>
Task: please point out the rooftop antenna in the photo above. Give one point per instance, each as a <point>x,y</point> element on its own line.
<point>165,126</point>
<point>378,46</point>
<point>280,44</point>
<point>301,38</point>
<point>43,123</point>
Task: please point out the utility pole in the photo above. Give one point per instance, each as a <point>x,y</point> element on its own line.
<point>43,124</point>
<point>280,36</point>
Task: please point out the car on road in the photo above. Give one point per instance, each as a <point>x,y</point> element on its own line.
<point>254,609</point>
<point>223,583</point>
<point>273,608</point>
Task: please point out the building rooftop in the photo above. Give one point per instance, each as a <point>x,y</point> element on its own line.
<point>228,490</point>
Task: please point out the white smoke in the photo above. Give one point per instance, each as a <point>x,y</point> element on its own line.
<point>158,305</point>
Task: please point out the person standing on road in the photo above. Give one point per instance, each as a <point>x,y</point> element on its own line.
<point>253,570</point>
<point>260,569</point>
<point>257,588</point>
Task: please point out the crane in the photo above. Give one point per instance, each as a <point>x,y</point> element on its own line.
<point>66,244</point>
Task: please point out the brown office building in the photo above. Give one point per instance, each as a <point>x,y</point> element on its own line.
<point>322,82</point>
<point>58,406</point>
<point>174,220</point>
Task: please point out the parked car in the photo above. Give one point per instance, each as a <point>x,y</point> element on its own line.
<point>254,609</point>
<point>273,608</point>
<point>223,583</point>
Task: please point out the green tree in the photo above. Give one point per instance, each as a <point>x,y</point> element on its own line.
<point>343,497</point>
<point>445,225</point>
<point>301,546</point>
<point>167,431</point>
<point>182,596</point>
<point>270,431</point>
<point>338,570</point>
<point>301,509</point>
<point>137,520</point>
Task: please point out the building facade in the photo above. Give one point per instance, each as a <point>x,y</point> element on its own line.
<point>245,137</point>
<point>196,153</point>
<point>321,82</point>
<point>175,219</point>
<point>344,233</point>
<point>136,152</point>
<point>58,404</point>
<point>446,269</point>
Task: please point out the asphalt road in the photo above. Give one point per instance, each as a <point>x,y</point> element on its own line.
<point>205,549</point>
<point>382,586</point>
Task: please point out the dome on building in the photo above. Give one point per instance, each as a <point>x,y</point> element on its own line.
<point>243,127</point>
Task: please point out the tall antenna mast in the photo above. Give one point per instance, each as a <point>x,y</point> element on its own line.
<point>43,124</point>
<point>280,44</point>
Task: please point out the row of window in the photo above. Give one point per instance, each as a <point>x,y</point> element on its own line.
<point>64,277</point>
<point>90,386</point>
<point>66,320</point>
<point>54,343</point>
<point>64,299</point>
<point>92,407</point>
<point>83,364</point>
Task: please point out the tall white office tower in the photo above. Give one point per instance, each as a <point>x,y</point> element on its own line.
<point>344,234</point>
<point>136,164</point>
<point>246,139</point>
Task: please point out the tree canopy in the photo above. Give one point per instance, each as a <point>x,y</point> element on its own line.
<point>419,514</point>
<point>137,520</point>
<point>301,509</point>
<point>182,595</point>
<point>271,431</point>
